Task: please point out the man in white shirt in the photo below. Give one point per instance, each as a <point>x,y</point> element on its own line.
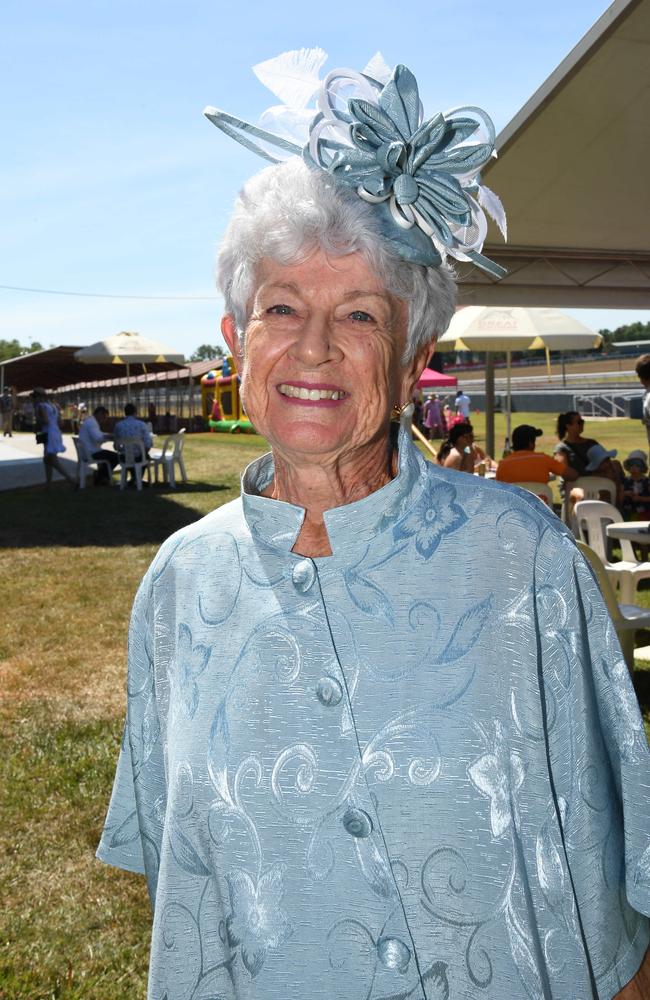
<point>91,439</point>
<point>463,402</point>
<point>131,427</point>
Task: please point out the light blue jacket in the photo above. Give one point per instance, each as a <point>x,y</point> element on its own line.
<point>413,769</point>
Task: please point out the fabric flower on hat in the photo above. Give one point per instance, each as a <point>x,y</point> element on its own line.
<point>424,170</point>
<point>367,130</point>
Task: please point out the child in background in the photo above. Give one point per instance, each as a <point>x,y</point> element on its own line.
<point>636,486</point>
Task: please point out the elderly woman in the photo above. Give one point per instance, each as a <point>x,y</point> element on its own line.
<point>380,736</point>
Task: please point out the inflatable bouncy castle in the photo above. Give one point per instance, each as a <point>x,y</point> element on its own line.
<point>221,403</point>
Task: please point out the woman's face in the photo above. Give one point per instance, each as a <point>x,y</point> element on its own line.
<point>576,424</point>
<point>321,370</point>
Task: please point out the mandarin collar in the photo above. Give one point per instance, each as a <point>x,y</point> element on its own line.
<point>278,523</point>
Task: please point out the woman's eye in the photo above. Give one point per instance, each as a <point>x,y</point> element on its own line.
<point>359,316</point>
<point>280,310</point>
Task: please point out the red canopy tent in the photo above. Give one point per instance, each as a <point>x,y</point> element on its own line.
<point>430,379</point>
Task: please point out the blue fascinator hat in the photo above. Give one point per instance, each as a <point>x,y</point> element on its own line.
<point>368,132</point>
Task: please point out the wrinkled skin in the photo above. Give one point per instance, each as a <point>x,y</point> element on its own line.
<point>327,323</point>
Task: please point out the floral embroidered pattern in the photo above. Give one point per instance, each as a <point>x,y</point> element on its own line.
<point>499,775</point>
<point>190,663</point>
<point>435,516</point>
<point>256,923</point>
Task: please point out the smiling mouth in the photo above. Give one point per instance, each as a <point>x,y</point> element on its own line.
<point>313,395</point>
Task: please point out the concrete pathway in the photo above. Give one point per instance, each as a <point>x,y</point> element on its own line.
<point>21,461</point>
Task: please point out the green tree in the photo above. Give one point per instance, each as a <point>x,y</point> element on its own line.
<point>13,349</point>
<point>206,352</point>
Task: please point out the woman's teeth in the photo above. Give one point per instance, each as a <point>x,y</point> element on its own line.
<point>301,392</point>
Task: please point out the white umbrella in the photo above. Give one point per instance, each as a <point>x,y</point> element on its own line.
<point>494,328</point>
<point>129,349</point>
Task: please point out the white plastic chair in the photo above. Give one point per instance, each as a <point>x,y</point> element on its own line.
<point>592,487</point>
<point>170,454</point>
<point>592,517</point>
<point>132,456</point>
<point>86,465</point>
<point>627,618</point>
<point>540,490</point>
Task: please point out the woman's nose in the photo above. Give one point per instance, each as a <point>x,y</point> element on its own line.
<point>315,343</point>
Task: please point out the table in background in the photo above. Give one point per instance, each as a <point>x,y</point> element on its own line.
<point>636,532</point>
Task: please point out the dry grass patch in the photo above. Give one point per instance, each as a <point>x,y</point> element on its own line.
<point>65,638</point>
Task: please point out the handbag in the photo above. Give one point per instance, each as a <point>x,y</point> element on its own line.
<point>41,437</point>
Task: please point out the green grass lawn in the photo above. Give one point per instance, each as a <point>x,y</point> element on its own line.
<point>71,927</point>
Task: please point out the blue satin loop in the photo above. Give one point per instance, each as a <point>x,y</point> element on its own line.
<point>420,176</point>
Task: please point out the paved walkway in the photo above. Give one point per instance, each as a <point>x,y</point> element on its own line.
<point>21,461</point>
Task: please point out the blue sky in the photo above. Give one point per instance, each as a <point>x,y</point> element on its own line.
<point>111,180</point>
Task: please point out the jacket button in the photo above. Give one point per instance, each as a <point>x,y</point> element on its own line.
<point>303,575</point>
<point>328,691</point>
<point>393,953</point>
<point>357,823</point>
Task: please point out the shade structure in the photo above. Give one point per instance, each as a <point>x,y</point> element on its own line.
<point>128,349</point>
<point>571,170</point>
<point>431,379</point>
<point>498,328</point>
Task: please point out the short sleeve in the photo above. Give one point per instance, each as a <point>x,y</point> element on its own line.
<point>121,844</point>
<point>133,829</point>
<point>556,465</point>
<point>596,742</point>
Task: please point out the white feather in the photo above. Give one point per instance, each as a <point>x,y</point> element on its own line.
<point>491,202</point>
<point>292,76</point>
<point>378,69</point>
<point>288,123</point>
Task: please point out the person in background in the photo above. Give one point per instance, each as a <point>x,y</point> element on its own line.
<point>576,451</point>
<point>642,368</point>
<point>131,427</point>
<point>447,415</point>
<point>48,433</point>
<point>600,462</point>
<point>573,447</point>
<point>7,412</point>
<point>482,461</point>
<point>456,452</point>
<point>463,403</point>
<point>91,439</point>
<point>432,417</point>
<point>525,465</point>
<point>152,415</point>
<point>417,410</point>
<point>636,486</point>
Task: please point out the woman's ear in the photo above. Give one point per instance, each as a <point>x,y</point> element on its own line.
<point>413,369</point>
<point>231,337</point>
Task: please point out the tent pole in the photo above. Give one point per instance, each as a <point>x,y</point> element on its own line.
<point>508,398</point>
<point>489,403</point>
<point>427,444</point>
